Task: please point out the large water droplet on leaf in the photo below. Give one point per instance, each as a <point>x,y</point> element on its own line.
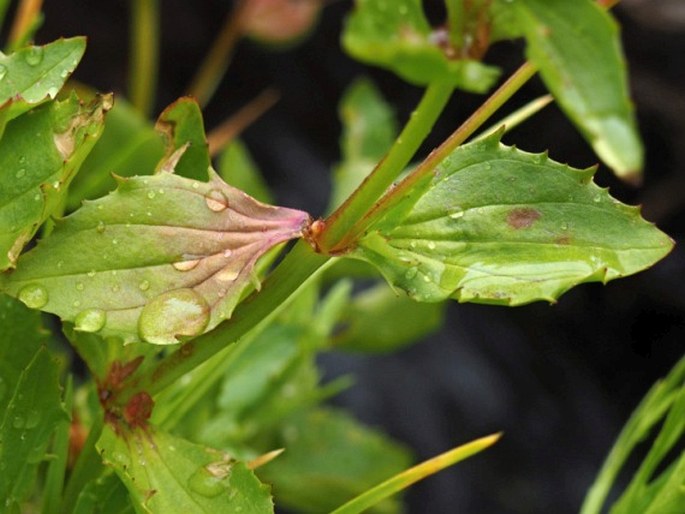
<point>182,312</point>
<point>206,484</point>
<point>216,200</point>
<point>186,265</point>
<point>90,320</point>
<point>34,296</point>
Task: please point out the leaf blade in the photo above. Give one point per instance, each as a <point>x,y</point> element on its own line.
<point>577,49</point>
<point>39,155</point>
<point>161,257</point>
<point>396,35</point>
<point>35,74</point>
<point>497,225</point>
<point>164,473</point>
<point>30,400</point>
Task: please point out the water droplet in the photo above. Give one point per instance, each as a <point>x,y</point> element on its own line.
<point>597,198</point>
<point>115,242</point>
<point>56,184</point>
<point>206,484</point>
<point>564,226</point>
<point>77,303</point>
<point>36,197</point>
<point>488,166</point>
<point>186,265</point>
<point>216,200</point>
<point>32,419</point>
<point>150,194</point>
<point>22,159</point>
<point>100,227</point>
<point>196,185</point>
<point>79,286</point>
<point>19,421</point>
<point>3,71</point>
<point>431,245</point>
<point>91,273</point>
<point>34,55</point>
<point>456,213</point>
<point>20,173</point>
<point>34,296</point>
<point>228,253</point>
<point>411,273</point>
<point>227,275</point>
<point>144,285</point>
<point>182,312</point>
<point>90,320</point>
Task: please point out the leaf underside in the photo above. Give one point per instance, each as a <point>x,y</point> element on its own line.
<point>162,256</point>
<point>498,225</point>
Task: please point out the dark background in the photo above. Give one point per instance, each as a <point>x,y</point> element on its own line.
<point>558,380</point>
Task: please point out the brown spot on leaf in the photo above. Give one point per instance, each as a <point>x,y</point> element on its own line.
<point>563,240</point>
<point>522,217</point>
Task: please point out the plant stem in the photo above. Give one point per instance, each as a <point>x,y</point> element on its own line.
<point>338,225</point>
<point>144,54</point>
<point>295,269</point>
<point>213,68</point>
<point>219,137</point>
<point>473,123</point>
<point>24,20</point>
<point>455,22</point>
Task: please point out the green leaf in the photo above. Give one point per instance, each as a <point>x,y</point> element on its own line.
<point>104,495</point>
<point>373,496</point>
<point>577,48</point>
<point>651,490</point>
<point>329,459</point>
<point>369,129</point>
<point>237,168</point>
<point>181,123</point>
<point>161,257</point>
<point>380,321</point>
<point>39,154</point>
<point>30,400</point>
<point>396,35</point>
<point>34,74</point>
<point>497,225</point>
<point>129,146</point>
<point>164,474</point>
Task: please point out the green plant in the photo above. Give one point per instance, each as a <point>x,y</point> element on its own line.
<point>156,281</point>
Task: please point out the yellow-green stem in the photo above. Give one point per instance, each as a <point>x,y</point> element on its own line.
<point>144,54</point>
<point>338,225</point>
<point>473,123</point>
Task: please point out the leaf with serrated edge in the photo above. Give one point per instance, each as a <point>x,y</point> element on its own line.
<point>162,256</point>
<point>164,473</point>
<point>397,36</point>
<point>498,225</point>
<point>40,153</point>
<point>129,146</point>
<point>30,400</point>
<point>577,47</point>
<point>181,123</point>
<point>35,74</point>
